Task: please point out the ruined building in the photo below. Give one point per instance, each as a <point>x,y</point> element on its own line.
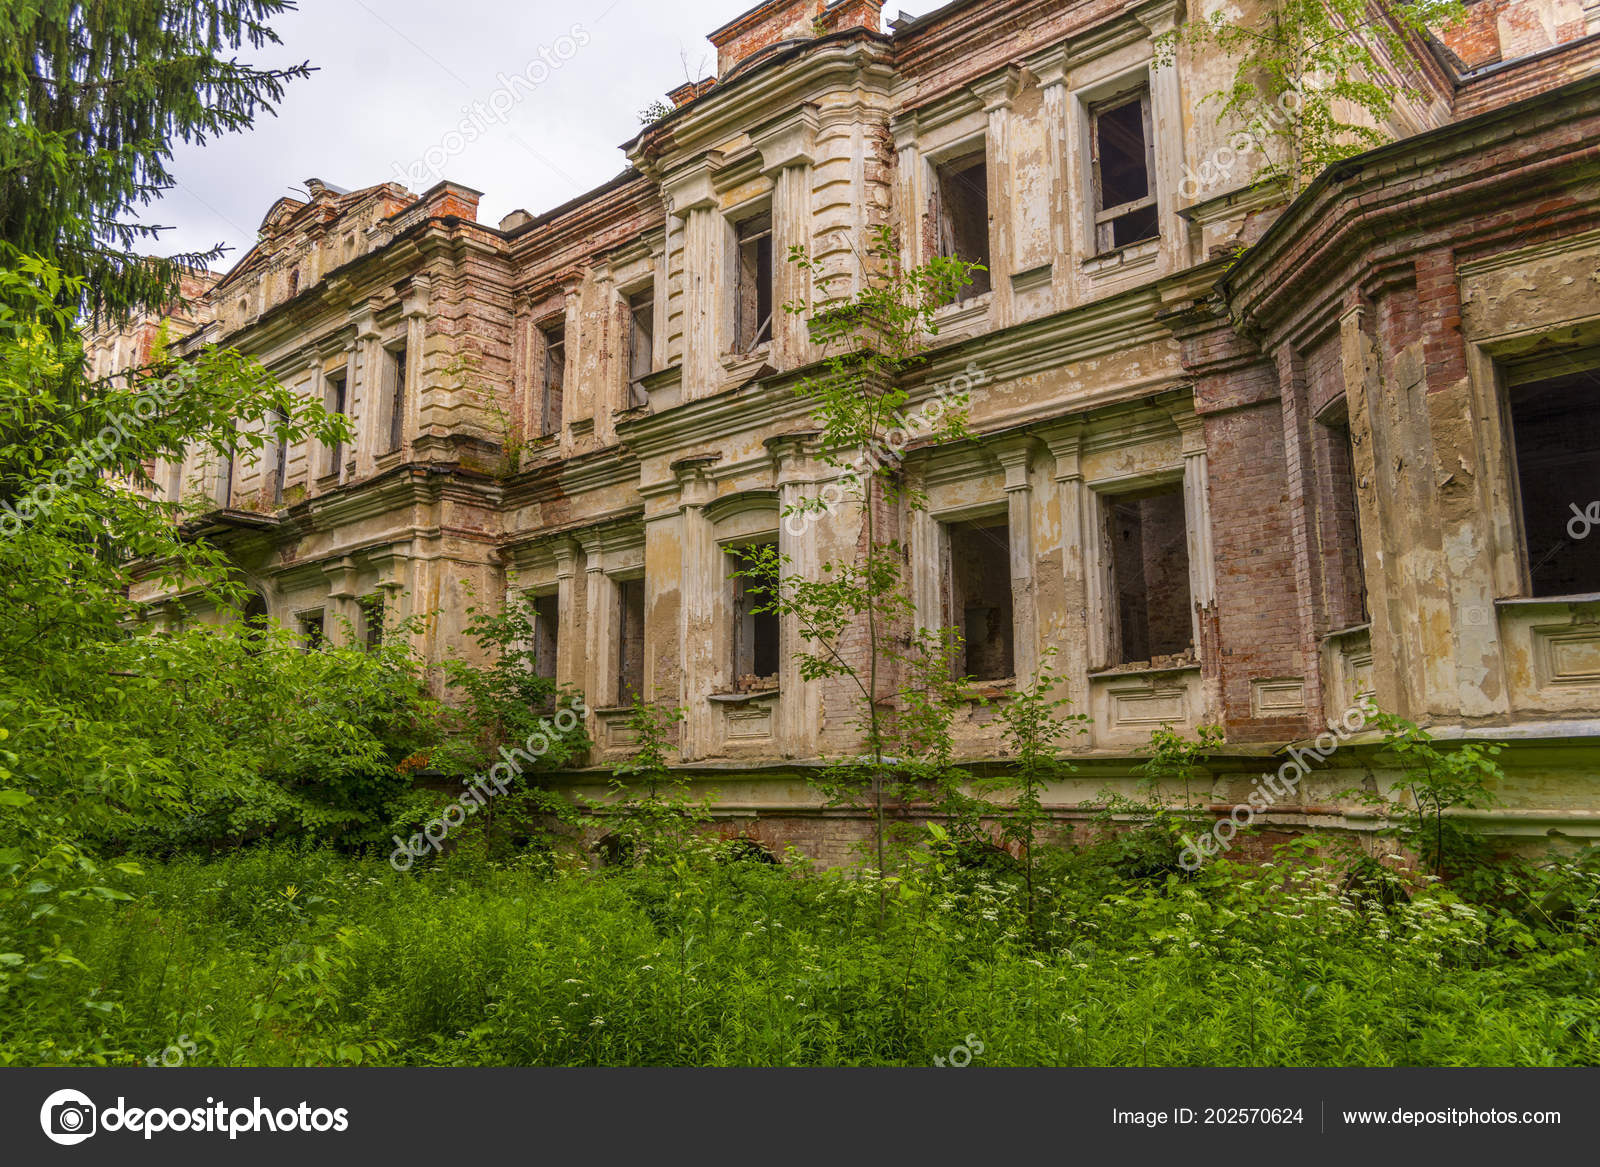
<point>1227,490</point>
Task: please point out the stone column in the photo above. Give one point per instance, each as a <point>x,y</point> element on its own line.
<point>788,152</point>
<point>1168,125</point>
<point>600,617</point>
<point>997,94</point>
<point>368,391</point>
<point>1016,456</point>
<point>1071,630</point>
<point>341,613</point>
<point>692,198</point>
<point>569,669</point>
<point>422,407</point>
<point>701,582</point>
<point>799,702</point>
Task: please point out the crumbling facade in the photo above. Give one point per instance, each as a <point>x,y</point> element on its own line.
<point>1222,490</point>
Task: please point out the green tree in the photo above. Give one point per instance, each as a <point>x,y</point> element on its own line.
<point>1311,84</point>
<point>870,339</point>
<point>96,96</point>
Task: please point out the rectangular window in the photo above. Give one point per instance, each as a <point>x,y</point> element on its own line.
<point>755,634</point>
<point>630,640</point>
<point>1149,544</point>
<point>1123,153</point>
<point>334,400</point>
<point>280,468</point>
<point>641,343</point>
<point>396,376</point>
<point>979,605</point>
<point>372,617</point>
<point>1341,528</point>
<point>754,284</point>
<point>546,633</point>
<point>963,217</point>
<point>1556,430</point>
<point>553,378</point>
<point>313,631</point>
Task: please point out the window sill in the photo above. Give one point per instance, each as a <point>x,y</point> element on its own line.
<point>741,698</point>
<point>999,689</point>
<point>1130,255</point>
<point>1514,602</point>
<point>1143,669</point>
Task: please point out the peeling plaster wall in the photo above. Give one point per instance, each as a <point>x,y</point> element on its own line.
<point>1390,300</point>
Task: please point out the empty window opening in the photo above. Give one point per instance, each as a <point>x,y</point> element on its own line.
<point>397,397</point>
<point>396,375</point>
<point>963,218</point>
<point>1150,567</point>
<point>1124,170</point>
<point>335,401</point>
<point>754,284</point>
<point>641,343</point>
<point>980,598</point>
<point>630,641</point>
<point>554,378</point>
<point>1556,429</point>
<point>1347,583</point>
<point>280,467</point>
<point>755,631</point>
<point>546,631</point>
<point>372,617</point>
<point>313,631</point>
<point>294,283</point>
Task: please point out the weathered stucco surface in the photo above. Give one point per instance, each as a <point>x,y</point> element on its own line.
<point>1322,426</point>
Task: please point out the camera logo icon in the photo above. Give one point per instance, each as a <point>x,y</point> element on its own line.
<point>68,1117</point>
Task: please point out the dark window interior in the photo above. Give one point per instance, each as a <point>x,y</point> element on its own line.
<point>1150,563</point>
<point>1123,196</point>
<point>980,597</point>
<point>397,400</point>
<point>755,634</point>
<point>336,403</point>
<point>755,283</point>
<point>630,641</point>
<point>555,376</point>
<point>1556,428</point>
<point>546,630</point>
<point>964,218</point>
<point>641,340</point>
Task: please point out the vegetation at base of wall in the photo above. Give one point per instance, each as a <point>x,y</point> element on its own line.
<point>282,956</point>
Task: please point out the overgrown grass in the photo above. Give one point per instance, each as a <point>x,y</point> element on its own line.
<point>279,957</point>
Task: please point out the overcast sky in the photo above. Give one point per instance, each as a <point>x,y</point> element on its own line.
<point>397,78</point>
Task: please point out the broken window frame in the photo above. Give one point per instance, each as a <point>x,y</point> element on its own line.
<point>756,637</point>
<point>552,375</point>
<point>949,175</point>
<point>753,322</point>
<point>641,324</point>
<point>1117,653</point>
<point>335,399</point>
<point>629,682</point>
<point>545,609</point>
<point>280,467</point>
<point>373,613</point>
<point>313,629</point>
<point>1521,383</point>
<point>1106,218</point>
<point>957,612</point>
<point>395,373</point>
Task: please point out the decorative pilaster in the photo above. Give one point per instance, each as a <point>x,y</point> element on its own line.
<point>788,152</point>
<point>997,94</point>
<point>701,583</point>
<point>1016,457</point>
